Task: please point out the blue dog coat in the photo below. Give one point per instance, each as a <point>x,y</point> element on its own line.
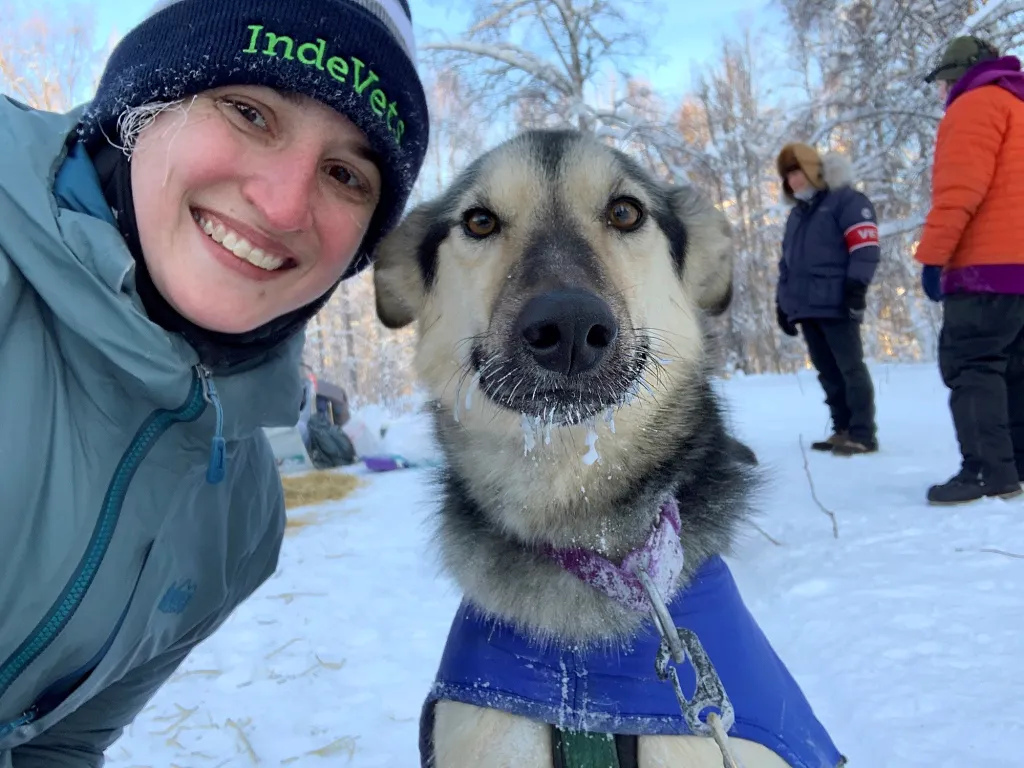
<point>489,663</point>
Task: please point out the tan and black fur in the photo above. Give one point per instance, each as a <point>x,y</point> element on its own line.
<point>547,221</point>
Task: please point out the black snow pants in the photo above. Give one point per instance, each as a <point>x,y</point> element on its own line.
<point>837,353</point>
<point>981,357</point>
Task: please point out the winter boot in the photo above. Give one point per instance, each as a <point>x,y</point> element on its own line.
<point>968,486</point>
<point>850,447</point>
<point>833,440</point>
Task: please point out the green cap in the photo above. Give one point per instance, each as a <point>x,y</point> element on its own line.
<point>961,54</point>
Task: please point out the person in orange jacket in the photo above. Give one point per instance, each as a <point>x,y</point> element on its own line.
<point>972,235</point>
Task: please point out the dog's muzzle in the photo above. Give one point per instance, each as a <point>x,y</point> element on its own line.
<point>565,356</point>
<point>567,332</point>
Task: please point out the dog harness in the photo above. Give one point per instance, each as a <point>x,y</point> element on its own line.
<point>616,690</point>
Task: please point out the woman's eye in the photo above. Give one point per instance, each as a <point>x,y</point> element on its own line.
<point>344,176</point>
<point>250,114</point>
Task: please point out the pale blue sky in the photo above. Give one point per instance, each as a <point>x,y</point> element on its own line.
<point>688,32</point>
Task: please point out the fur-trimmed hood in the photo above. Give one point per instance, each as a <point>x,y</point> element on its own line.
<point>837,170</point>
<point>829,171</point>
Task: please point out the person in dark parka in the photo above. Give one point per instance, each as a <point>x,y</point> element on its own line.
<point>830,252</point>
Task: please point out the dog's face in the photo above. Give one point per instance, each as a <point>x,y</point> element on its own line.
<point>557,278</point>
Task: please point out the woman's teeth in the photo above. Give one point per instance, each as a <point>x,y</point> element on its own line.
<point>239,246</point>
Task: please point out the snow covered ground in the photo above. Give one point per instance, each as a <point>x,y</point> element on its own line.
<point>906,632</point>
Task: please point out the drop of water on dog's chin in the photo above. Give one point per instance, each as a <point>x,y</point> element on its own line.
<point>609,417</point>
<point>529,438</point>
<point>592,455</point>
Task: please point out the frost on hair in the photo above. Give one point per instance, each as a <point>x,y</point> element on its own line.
<point>134,120</point>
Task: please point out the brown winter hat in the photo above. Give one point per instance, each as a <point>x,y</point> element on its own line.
<point>800,157</point>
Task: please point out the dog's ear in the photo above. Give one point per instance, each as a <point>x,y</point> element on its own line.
<point>707,263</point>
<point>404,267</point>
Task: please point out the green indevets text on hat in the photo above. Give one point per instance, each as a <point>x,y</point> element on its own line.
<point>312,55</point>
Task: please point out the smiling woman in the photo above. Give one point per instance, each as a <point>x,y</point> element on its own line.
<point>249,204</point>
<point>161,251</point>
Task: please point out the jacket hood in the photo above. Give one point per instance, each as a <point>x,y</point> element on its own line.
<point>75,259</point>
<point>836,172</point>
<point>1004,72</point>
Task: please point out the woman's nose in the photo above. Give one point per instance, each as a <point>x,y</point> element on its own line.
<point>283,190</point>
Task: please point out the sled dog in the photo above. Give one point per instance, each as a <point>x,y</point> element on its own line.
<point>558,291</point>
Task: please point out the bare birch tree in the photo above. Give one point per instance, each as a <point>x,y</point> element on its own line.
<point>555,63</point>
<point>732,132</point>
<point>346,345</point>
<point>48,55</point>
<point>456,129</point>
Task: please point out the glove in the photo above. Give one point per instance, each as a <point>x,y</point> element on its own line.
<point>855,299</point>
<point>787,327</point>
<point>931,282</point>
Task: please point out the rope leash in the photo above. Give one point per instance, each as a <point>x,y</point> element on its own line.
<point>722,740</point>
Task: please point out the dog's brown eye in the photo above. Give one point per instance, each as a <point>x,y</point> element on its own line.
<point>625,214</point>
<point>479,222</point>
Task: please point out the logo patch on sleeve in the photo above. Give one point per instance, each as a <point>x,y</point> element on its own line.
<point>861,235</point>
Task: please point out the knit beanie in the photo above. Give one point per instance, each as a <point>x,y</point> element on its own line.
<point>800,157</point>
<point>355,56</point>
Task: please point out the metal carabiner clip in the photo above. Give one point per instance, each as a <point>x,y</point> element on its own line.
<point>678,643</point>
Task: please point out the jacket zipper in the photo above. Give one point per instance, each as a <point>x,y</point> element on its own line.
<point>801,225</point>
<point>201,393</point>
<point>215,470</point>
<point>30,714</point>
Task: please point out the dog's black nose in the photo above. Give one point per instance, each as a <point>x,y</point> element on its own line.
<point>567,331</point>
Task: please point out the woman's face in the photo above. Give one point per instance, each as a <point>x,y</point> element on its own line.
<point>250,203</point>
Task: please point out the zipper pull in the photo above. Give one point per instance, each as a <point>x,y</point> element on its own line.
<point>26,718</point>
<point>215,470</point>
